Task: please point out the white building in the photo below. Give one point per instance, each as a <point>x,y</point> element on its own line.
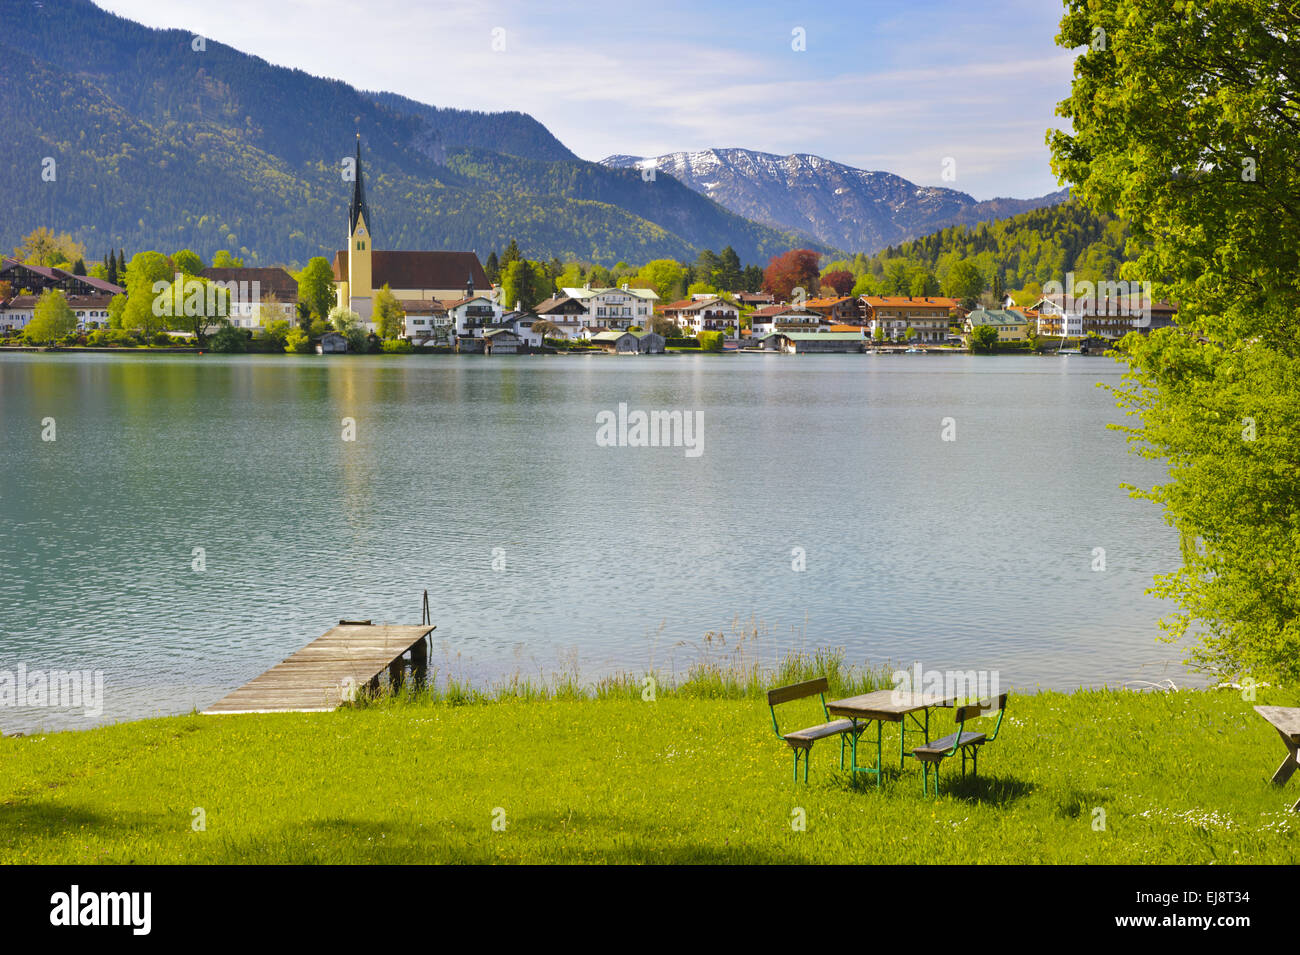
<point>618,308</point>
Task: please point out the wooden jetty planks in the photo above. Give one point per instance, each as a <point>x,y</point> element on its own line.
<point>328,670</point>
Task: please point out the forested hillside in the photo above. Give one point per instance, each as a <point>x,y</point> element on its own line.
<point>159,145</point>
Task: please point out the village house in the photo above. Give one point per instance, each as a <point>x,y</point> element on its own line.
<point>927,317</point>
<point>844,310</point>
<point>568,314</point>
<point>755,299</point>
<point>615,308</point>
<point>711,313</point>
<point>1110,317</point>
<point>426,320</point>
<point>87,296</point>
<point>1011,326</point>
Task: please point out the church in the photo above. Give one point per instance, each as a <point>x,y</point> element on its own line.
<point>413,277</point>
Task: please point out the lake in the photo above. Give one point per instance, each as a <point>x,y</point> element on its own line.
<point>481,480</point>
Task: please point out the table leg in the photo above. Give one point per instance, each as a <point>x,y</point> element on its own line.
<point>1289,765</point>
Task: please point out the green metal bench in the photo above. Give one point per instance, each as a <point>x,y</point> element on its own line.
<point>801,741</point>
<point>966,742</point>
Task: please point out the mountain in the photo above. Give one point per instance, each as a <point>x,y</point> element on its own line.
<point>842,206</point>
<point>159,145</point>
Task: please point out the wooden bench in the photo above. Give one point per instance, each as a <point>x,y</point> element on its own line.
<point>1286,720</point>
<point>801,741</point>
<point>966,742</point>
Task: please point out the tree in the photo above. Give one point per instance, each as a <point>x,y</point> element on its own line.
<point>964,282</point>
<point>79,267</point>
<point>794,269</point>
<point>111,269</point>
<point>224,260</point>
<point>492,268</point>
<point>511,255</point>
<point>665,327</point>
<point>865,285</point>
<point>546,328</point>
<point>922,282</point>
<point>276,334</point>
<point>193,305</point>
<point>1210,198</point>
<point>524,283</point>
<point>42,246</point>
<point>343,319</point>
<point>730,274</point>
<point>116,310</point>
<point>983,339</point>
<point>52,319</point>
<point>840,280</point>
<point>389,318</point>
<point>316,287</point>
<point>144,311</point>
<point>187,262</point>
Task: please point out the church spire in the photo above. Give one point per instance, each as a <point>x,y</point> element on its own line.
<point>358,208</point>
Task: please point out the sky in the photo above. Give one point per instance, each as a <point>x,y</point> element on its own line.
<point>903,86</point>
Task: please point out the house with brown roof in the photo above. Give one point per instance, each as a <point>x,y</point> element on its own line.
<point>35,279</point>
<point>568,314</point>
<point>784,318</point>
<point>927,317</point>
<point>18,310</point>
<point>839,310</point>
<point>707,314</point>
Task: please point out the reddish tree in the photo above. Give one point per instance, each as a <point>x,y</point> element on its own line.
<point>841,280</point>
<point>794,269</point>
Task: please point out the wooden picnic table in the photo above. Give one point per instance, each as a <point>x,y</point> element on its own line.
<point>887,706</point>
<point>1286,720</point>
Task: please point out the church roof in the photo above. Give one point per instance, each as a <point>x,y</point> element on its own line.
<point>358,208</point>
<point>418,270</point>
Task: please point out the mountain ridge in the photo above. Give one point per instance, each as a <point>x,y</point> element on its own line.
<point>841,205</point>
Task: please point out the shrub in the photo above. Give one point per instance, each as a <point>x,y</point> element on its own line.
<point>122,338</point>
<point>297,342</point>
<point>162,338</point>
<point>397,346</point>
<point>710,341</point>
<point>97,339</point>
<point>229,339</point>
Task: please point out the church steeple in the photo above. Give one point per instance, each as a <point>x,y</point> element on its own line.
<point>360,288</point>
<point>358,209</point>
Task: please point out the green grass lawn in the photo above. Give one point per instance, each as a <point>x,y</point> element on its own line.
<point>1181,777</point>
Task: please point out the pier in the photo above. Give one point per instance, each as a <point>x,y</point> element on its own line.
<point>331,669</point>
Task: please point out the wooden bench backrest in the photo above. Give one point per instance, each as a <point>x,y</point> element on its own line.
<point>971,710</point>
<point>797,691</point>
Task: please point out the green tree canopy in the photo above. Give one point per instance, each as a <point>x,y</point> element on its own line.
<point>1209,187</point>
<point>52,319</point>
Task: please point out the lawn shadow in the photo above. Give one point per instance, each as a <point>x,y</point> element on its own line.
<point>988,790</point>
<point>528,839</point>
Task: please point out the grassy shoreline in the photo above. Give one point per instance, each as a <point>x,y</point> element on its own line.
<point>694,775</point>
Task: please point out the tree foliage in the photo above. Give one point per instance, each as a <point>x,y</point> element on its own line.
<point>1209,186</point>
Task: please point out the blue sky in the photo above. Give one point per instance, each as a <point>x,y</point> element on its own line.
<point>898,86</point>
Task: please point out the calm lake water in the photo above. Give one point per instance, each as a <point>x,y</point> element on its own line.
<point>973,553</point>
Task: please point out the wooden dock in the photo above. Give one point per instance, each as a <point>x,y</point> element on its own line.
<point>330,670</point>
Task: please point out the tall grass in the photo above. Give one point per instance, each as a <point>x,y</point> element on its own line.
<point>723,666</point>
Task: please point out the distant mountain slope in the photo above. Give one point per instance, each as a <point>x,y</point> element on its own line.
<point>845,207</point>
<point>162,146</point>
